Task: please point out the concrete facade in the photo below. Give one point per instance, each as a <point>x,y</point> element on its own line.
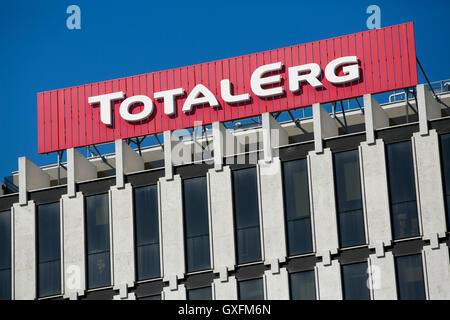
<point>275,266</point>
<point>24,235</point>
<point>74,248</point>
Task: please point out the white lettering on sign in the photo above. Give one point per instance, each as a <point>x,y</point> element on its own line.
<point>262,85</point>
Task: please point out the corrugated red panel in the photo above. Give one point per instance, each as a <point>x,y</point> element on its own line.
<point>386,56</point>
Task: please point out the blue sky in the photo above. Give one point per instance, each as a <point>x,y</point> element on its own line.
<point>123,38</point>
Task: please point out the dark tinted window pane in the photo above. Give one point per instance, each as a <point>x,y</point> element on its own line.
<point>348,198</point>
<point>155,297</point>
<point>146,210</point>
<point>99,273</point>
<point>296,203</point>
<point>49,249</point>
<point>246,211</point>
<point>354,278</point>
<point>97,222</point>
<point>410,282</point>
<point>5,255</point>
<point>147,232</point>
<point>97,226</point>
<point>200,294</point>
<point>351,228</point>
<point>49,241</point>
<point>445,154</point>
<point>195,201</point>
<point>251,289</point>
<point>5,240</point>
<point>402,190</point>
<point>148,264</point>
<point>49,278</point>
<point>302,285</point>
<point>5,284</point>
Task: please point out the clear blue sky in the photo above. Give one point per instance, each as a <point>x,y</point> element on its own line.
<point>123,38</point>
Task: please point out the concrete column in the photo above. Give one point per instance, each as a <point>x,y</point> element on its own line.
<point>225,290</point>
<point>272,211</point>
<point>375,117</point>
<point>277,284</point>
<point>427,107</point>
<point>24,251</point>
<point>328,280</point>
<point>74,253</point>
<point>127,161</point>
<point>428,174</point>
<point>273,136</point>
<point>224,144</point>
<point>168,166</point>
<point>122,237</point>
<point>376,195</point>
<point>437,269</point>
<point>382,277</point>
<point>222,220</point>
<point>323,203</point>
<point>172,231</point>
<point>129,296</point>
<point>78,169</point>
<point>178,294</point>
<point>324,126</point>
<point>31,177</point>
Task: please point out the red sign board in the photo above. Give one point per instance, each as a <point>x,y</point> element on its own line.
<point>384,60</point>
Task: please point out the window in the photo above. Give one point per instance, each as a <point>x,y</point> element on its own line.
<point>402,190</point>
<point>147,232</point>
<point>49,249</point>
<point>296,204</point>
<point>246,212</point>
<point>5,255</point>
<point>200,294</point>
<point>354,279</point>
<point>348,198</point>
<point>97,238</point>
<point>195,199</point>
<point>302,285</point>
<point>251,289</point>
<point>445,154</point>
<point>410,281</point>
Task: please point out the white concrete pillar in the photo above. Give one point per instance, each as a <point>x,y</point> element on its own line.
<point>128,296</point>
<point>24,251</point>
<point>324,126</point>
<point>172,230</point>
<point>273,136</point>
<point>222,220</point>
<point>431,196</point>
<point>78,169</point>
<point>375,117</point>
<point>428,108</point>
<point>168,166</point>
<point>382,277</point>
<point>375,195</point>
<point>74,252</point>
<point>225,290</point>
<point>437,270</point>
<point>127,161</point>
<point>323,202</point>
<point>224,144</point>
<point>277,284</point>
<point>31,177</point>
<point>178,294</point>
<point>328,281</point>
<point>272,211</point>
<point>122,248</point>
